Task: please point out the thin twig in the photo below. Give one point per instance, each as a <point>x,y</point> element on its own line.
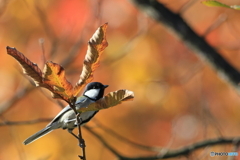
<point>73,53</point>
<point>186,6</point>
<point>48,29</point>
<point>41,42</point>
<point>17,96</point>
<point>221,18</point>
<point>80,139</point>
<point>124,139</point>
<point>184,151</point>
<point>3,6</point>
<point>125,49</point>
<point>103,142</point>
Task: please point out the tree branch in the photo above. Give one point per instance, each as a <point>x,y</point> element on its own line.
<point>177,25</point>
<point>184,151</point>
<point>8,123</point>
<point>15,98</point>
<point>80,138</point>
<point>124,139</point>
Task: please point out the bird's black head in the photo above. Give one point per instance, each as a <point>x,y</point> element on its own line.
<point>94,90</point>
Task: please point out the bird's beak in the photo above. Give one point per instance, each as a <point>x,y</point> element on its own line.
<point>105,86</point>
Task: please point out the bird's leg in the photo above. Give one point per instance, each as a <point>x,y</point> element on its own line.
<point>81,140</point>
<point>67,121</point>
<point>70,131</point>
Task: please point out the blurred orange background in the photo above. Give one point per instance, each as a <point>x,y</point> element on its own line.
<point>179,99</point>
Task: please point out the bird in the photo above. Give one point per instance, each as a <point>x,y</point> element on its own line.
<point>66,118</point>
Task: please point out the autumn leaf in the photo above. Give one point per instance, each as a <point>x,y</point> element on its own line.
<point>29,68</point>
<point>110,100</point>
<point>96,45</point>
<point>54,76</point>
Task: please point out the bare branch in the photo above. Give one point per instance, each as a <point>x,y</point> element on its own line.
<point>177,25</point>
<point>123,139</point>
<point>103,142</point>
<point>127,47</point>
<point>186,6</point>
<point>17,96</point>
<point>11,123</point>
<point>48,29</point>
<point>41,43</point>
<point>184,151</point>
<point>3,6</point>
<point>221,18</point>
<point>80,138</point>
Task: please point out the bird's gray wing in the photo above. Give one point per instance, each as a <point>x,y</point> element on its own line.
<point>59,115</point>
<point>63,111</point>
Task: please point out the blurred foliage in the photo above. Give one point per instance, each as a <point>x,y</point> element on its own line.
<point>212,3</point>
<point>178,98</point>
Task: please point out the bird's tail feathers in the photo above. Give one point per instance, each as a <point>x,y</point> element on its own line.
<point>37,135</point>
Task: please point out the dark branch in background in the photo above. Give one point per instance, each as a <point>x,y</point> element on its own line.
<point>196,43</point>
<point>3,6</point>
<point>174,22</point>
<point>184,151</point>
<point>125,49</point>
<point>48,29</point>
<point>8,123</point>
<point>14,99</point>
<point>101,139</point>
<point>124,139</point>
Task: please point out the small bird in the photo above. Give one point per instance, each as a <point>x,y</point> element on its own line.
<point>66,119</point>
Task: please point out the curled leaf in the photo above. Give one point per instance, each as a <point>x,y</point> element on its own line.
<point>110,100</point>
<point>96,45</point>
<point>54,76</point>
<point>29,68</point>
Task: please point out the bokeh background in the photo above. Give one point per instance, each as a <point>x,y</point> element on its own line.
<point>179,99</point>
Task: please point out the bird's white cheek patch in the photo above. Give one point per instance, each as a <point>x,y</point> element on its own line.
<point>92,93</point>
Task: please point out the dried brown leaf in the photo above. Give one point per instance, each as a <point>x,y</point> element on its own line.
<point>29,68</point>
<point>110,100</point>
<point>96,45</point>
<point>54,76</point>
